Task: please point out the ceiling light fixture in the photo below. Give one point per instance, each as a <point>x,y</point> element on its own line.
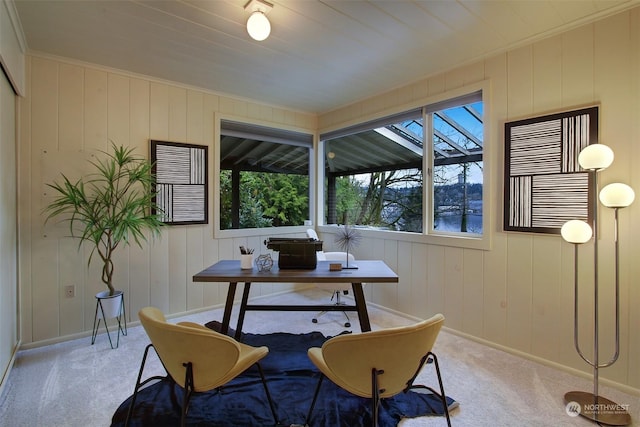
<point>258,26</point>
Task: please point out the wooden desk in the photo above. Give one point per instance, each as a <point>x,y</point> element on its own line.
<point>229,271</point>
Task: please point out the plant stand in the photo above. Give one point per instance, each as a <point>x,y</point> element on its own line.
<point>109,307</point>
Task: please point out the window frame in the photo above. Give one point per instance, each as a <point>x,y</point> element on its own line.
<point>215,187</point>
<point>429,236</point>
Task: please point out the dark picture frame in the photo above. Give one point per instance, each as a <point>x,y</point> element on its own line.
<point>181,182</point>
<point>544,186</point>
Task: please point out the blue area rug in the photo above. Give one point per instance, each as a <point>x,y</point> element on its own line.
<point>291,379</point>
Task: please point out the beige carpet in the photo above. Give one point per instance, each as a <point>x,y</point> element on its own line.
<point>77,384</point>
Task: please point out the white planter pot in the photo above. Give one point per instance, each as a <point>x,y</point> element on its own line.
<point>109,305</point>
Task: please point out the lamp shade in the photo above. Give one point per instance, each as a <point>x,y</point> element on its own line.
<point>595,157</point>
<point>258,26</point>
<point>617,195</point>
<point>576,231</point>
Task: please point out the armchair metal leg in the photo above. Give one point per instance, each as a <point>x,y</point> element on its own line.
<point>375,395</point>
<point>140,384</point>
<point>188,391</point>
<point>442,395</point>
<point>266,389</point>
<point>313,402</point>
<point>430,357</point>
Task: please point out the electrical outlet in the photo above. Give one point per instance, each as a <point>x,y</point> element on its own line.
<point>70,291</point>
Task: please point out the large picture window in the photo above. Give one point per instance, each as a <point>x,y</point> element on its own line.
<point>264,176</point>
<point>375,173</point>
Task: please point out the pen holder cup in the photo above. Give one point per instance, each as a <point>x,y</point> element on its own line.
<point>246,262</point>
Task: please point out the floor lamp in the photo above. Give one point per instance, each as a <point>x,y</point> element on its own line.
<point>595,158</point>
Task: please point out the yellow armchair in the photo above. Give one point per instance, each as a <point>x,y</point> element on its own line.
<point>379,364</point>
<point>196,358</point>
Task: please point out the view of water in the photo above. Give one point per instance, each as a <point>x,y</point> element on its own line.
<point>452,223</point>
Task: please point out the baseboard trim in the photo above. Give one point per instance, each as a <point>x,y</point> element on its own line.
<point>7,371</point>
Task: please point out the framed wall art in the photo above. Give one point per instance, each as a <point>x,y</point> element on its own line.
<point>544,186</point>
<point>181,182</point>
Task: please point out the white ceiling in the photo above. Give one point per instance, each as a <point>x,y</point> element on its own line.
<point>322,54</point>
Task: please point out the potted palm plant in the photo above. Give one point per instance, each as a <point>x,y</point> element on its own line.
<point>108,208</point>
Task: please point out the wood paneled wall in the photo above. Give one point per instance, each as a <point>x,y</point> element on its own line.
<point>518,295</point>
<point>71,112</point>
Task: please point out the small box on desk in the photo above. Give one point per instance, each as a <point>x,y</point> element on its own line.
<point>295,253</point>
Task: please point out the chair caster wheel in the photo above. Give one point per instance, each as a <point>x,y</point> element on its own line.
<point>314,320</point>
<point>347,325</point>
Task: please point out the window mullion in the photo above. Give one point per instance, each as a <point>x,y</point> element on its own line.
<point>427,176</point>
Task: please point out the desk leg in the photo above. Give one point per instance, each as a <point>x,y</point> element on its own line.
<point>226,318</point>
<point>243,310</point>
<point>361,306</point>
